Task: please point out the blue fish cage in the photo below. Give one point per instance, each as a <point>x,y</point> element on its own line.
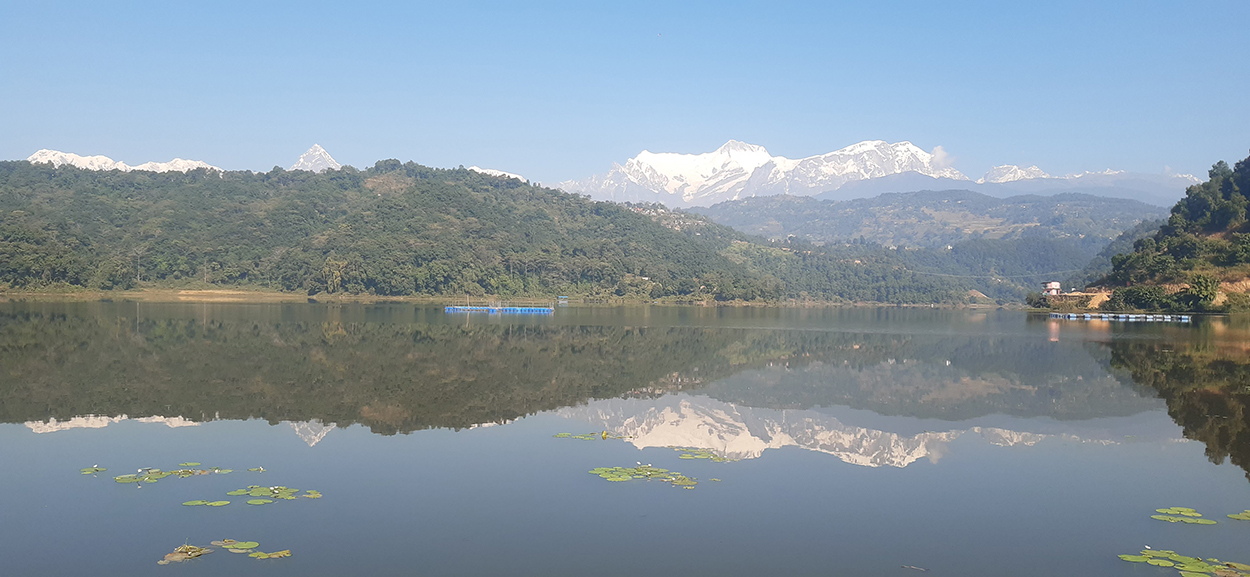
<point>499,310</point>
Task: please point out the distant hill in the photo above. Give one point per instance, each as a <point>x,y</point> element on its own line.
<point>1199,259</point>
<point>1156,189</point>
<point>930,219</point>
<point>1003,248</point>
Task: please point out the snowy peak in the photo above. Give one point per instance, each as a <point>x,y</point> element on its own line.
<point>316,159</point>
<point>1011,173</point>
<point>738,169</point>
<point>58,158</point>
<point>498,173</point>
<point>312,432</point>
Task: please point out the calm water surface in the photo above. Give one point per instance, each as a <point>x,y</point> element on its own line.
<point>857,442</point>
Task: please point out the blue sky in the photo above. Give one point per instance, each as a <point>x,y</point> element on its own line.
<point>558,90</point>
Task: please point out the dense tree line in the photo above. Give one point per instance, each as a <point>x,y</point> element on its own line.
<point>402,229</point>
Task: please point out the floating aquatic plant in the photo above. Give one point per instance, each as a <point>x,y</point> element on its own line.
<point>1189,566</point>
<point>183,553</point>
<point>257,469</point>
<point>189,464</point>
<point>248,547</point>
<point>620,474</point>
<point>209,503</point>
<point>601,436</point>
<point>268,493</point>
<point>697,453</point>
<point>259,501</point>
<point>274,555</point>
<point>1242,516</point>
<point>1182,515</point>
<point>92,470</point>
<point>1187,520</point>
<point>1183,511</point>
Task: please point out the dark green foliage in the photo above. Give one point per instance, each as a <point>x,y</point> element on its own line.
<point>401,229</point>
<point>1140,298</point>
<point>1206,233</point>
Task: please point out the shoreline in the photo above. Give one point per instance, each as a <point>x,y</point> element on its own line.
<point>235,296</point>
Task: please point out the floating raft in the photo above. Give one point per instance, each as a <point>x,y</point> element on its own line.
<point>500,310</point>
<point>1123,318</point>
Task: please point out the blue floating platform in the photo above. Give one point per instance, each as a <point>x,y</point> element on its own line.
<point>500,310</point>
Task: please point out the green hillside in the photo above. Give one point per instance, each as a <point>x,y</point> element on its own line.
<point>405,229</point>
<point>1199,259</point>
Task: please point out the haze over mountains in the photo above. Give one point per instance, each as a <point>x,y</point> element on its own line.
<point>930,219</point>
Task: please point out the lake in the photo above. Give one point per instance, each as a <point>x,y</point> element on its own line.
<point>808,441</point>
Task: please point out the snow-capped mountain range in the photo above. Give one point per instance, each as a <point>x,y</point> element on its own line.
<point>737,170</point>
<point>316,159</point>
<point>58,158</point>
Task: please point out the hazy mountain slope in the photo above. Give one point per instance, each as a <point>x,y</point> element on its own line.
<point>931,219</point>
<point>1156,189</point>
<point>1101,264</point>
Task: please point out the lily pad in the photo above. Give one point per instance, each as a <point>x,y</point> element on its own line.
<point>188,464</point>
<point>223,471</point>
<point>1135,558</point>
<point>92,470</point>
<point>218,503</point>
<point>247,545</point>
<point>259,501</point>
<point>237,492</point>
<point>1161,563</point>
<point>194,503</point>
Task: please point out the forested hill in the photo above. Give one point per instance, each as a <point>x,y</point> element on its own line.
<point>930,219</point>
<point>1205,244</point>
<point>401,229</point>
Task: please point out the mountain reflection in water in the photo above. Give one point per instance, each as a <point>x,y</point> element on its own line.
<point>739,432</point>
<point>400,369</point>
